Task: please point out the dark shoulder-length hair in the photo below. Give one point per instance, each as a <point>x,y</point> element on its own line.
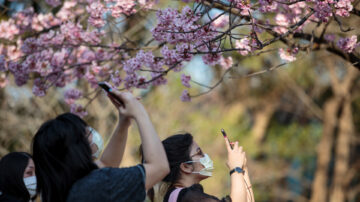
<point>177,149</point>
<point>62,155</point>
<point>12,168</point>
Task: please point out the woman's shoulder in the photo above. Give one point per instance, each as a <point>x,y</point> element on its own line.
<point>108,174</point>
<point>196,187</point>
<point>109,182</point>
<point>194,193</point>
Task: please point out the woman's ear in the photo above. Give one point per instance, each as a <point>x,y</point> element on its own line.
<point>187,168</point>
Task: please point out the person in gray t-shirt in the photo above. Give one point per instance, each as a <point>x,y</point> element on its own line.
<point>65,168</point>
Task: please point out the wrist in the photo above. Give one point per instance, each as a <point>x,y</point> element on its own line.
<point>140,116</point>
<point>238,170</point>
<point>124,121</point>
<point>235,166</point>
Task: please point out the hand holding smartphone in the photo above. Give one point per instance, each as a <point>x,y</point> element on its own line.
<point>226,137</point>
<point>108,89</point>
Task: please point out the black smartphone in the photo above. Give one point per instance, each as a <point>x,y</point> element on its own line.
<point>225,136</point>
<point>107,88</point>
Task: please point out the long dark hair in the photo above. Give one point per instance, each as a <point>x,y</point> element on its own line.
<point>12,168</point>
<point>177,148</point>
<point>62,155</point>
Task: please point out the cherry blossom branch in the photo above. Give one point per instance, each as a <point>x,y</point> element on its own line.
<point>341,25</point>
<point>210,88</point>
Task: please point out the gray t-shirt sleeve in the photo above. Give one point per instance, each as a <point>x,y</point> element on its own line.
<point>142,170</point>
<point>128,183</point>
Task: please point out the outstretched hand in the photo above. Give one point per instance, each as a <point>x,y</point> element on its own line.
<point>236,155</point>
<point>126,103</point>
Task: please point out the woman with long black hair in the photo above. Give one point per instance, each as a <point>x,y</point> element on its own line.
<point>65,169</point>
<point>17,178</point>
<point>189,165</point>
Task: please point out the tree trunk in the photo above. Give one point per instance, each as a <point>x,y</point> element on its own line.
<point>341,100</point>
<point>262,118</point>
<point>346,130</point>
<point>319,187</point>
<point>342,153</point>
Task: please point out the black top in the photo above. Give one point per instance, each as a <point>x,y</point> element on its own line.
<point>110,185</point>
<point>195,193</point>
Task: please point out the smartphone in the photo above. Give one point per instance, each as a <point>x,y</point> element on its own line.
<point>107,88</point>
<point>225,136</point>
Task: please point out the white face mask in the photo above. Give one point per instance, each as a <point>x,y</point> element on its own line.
<point>98,141</point>
<point>30,184</point>
<point>207,163</point>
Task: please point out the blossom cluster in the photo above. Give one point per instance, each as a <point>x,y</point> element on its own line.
<point>116,8</point>
<point>58,48</point>
<point>182,28</point>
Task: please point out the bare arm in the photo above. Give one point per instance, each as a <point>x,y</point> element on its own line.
<point>238,188</point>
<point>249,186</point>
<point>156,163</point>
<point>114,150</point>
<point>236,158</point>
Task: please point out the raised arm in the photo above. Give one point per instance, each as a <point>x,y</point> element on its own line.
<point>156,163</point>
<point>248,185</point>
<point>236,158</point>
<point>114,151</point>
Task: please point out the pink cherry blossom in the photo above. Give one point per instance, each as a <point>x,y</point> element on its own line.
<point>323,11</point>
<point>78,110</point>
<point>226,63</point>
<point>185,79</point>
<point>53,3</point>
<point>20,72</point>
<point>185,96</point>
<point>211,58</point>
<point>348,44</point>
<point>268,5</point>
<point>3,80</point>
<point>160,79</point>
<point>116,79</point>
<point>8,29</point>
<point>329,37</point>
<point>72,95</point>
<point>96,10</point>
<point>288,55</point>
<point>59,58</point>
<point>221,21</point>
<point>244,45</point>
<point>71,43</point>
<point>343,7</point>
<point>170,56</point>
<point>283,21</point>
<point>183,51</point>
<point>244,6</point>
<point>147,4</point>
<point>126,7</point>
<point>39,88</point>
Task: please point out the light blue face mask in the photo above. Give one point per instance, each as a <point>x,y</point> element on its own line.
<point>98,141</point>
<point>207,163</point>
<point>30,184</point>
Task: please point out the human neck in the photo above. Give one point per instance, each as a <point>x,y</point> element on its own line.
<point>186,181</point>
